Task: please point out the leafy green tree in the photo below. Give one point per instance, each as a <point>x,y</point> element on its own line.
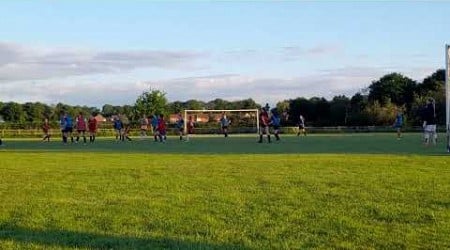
<point>218,104</point>
<point>151,102</point>
<point>247,104</point>
<point>194,104</point>
<point>339,110</point>
<point>381,114</point>
<point>175,107</point>
<point>395,87</point>
<point>13,112</point>
<point>108,110</point>
<point>432,83</point>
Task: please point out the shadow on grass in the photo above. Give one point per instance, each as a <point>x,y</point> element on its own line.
<point>70,239</point>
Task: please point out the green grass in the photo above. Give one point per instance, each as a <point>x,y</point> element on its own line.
<point>323,192</point>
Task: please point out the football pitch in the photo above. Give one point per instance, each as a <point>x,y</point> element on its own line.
<point>320,191</point>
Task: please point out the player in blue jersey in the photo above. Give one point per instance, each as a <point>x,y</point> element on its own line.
<point>224,124</point>
<point>398,123</point>
<point>118,127</point>
<point>68,130</point>
<point>180,126</point>
<point>154,121</point>
<point>275,122</point>
<point>62,126</point>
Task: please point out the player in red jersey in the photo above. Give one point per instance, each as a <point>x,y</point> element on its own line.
<point>264,125</point>
<point>46,130</point>
<point>190,127</point>
<point>81,127</point>
<point>92,126</point>
<point>162,128</point>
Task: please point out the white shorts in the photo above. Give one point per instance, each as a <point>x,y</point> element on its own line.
<point>430,128</point>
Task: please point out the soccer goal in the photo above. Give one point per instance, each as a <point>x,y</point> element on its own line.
<point>208,121</point>
<point>447,94</point>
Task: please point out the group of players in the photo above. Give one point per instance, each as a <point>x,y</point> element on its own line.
<point>428,116</point>
<point>158,125</point>
<point>67,125</point>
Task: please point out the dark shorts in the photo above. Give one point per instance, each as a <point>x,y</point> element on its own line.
<point>81,130</point>
<point>276,127</point>
<point>68,130</point>
<point>398,126</point>
<point>181,129</point>
<point>224,127</point>
<point>301,126</point>
<point>162,132</point>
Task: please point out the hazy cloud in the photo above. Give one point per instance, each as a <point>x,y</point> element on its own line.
<point>297,52</point>
<point>18,62</point>
<point>88,91</point>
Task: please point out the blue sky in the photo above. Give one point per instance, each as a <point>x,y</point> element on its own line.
<point>96,52</point>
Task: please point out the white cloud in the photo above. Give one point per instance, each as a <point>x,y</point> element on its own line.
<point>87,77</point>
<point>88,91</point>
<point>297,52</point>
<point>19,62</point>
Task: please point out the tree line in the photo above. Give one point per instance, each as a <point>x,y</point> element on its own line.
<point>375,105</point>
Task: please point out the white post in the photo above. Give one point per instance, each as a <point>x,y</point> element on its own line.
<point>447,94</point>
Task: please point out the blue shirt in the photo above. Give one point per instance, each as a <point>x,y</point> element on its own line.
<point>224,121</point>
<point>399,119</point>
<point>180,123</point>
<point>275,120</point>
<point>62,123</point>
<point>117,124</point>
<point>68,122</point>
<point>154,122</point>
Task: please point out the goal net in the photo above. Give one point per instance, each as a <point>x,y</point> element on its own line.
<point>208,121</point>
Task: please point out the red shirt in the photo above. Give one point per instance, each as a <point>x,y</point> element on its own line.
<point>45,127</point>
<point>81,124</point>
<point>264,119</point>
<point>161,125</point>
<point>92,125</point>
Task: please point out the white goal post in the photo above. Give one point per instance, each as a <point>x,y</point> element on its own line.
<point>447,94</point>
<point>251,114</point>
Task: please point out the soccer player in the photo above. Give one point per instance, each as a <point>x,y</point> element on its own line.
<point>62,126</point>
<point>92,126</point>
<point>154,123</point>
<point>126,132</point>
<point>275,121</point>
<point>46,130</point>
<point>398,124</point>
<point>264,125</point>
<point>180,125</point>
<point>118,127</point>
<point>68,127</point>
<point>190,127</point>
<point>429,123</point>
<point>144,126</point>
<point>162,128</point>
<point>224,124</point>
<point>81,127</point>
<point>301,126</point>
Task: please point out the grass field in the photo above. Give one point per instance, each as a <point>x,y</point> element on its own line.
<point>326,191</point>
